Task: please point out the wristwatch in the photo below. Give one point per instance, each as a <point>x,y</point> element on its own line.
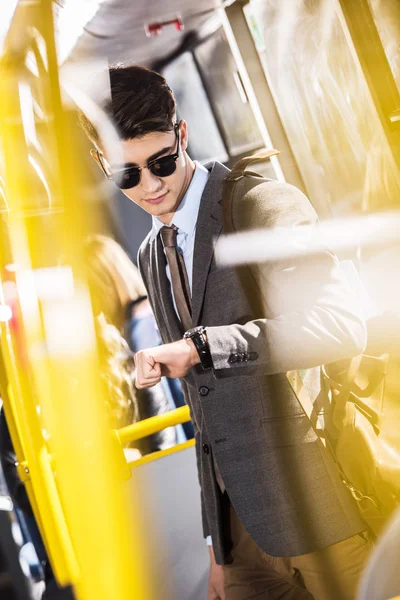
<point>199,339</point>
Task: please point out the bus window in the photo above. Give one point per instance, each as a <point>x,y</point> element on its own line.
<point>324,104</point>
<point>205,141</point>
<point>386,14</point>
<point>228,97</point>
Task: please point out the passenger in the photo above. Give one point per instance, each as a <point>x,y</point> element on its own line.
<point>281,522</point>
<point>119,295</point>
<point>123,401</point>
<point>116,372</point>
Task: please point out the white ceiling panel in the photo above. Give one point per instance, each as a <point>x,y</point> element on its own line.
<point>117,31</point>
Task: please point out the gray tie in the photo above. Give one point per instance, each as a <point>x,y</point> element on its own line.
<point>179,277</point>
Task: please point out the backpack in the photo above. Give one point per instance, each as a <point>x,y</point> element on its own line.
<point>353,413</point>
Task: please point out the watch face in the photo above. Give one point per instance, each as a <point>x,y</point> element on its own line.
<point>192,332</point>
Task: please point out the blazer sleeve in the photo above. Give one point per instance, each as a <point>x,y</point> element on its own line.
<point>309,316</point>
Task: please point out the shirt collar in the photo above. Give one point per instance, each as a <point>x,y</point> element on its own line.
<point>185,218</point>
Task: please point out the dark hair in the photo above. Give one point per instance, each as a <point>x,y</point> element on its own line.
<point>141,102</point>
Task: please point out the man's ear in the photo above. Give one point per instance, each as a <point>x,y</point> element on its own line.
<point>183,134</point>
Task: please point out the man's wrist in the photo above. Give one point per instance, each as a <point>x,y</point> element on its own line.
<point>199,338</point>
<point>194,355</point>
<point>212,555</point>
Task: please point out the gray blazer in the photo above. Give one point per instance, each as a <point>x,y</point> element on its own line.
<point>283,486</point>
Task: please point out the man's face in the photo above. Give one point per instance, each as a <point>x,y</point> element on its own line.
<point>159,196</point>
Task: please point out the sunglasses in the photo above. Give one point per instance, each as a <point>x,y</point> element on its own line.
<point>130,177</point>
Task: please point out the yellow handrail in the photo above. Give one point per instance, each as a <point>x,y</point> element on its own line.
<point>147,458</point>
<point>52,395</point>
<point>152,425</point>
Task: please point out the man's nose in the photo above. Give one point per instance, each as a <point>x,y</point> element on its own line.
<point>150,183</point>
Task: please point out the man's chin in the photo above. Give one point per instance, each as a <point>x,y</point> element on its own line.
<point>160,211</point>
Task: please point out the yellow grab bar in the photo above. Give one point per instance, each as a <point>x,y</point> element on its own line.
<point>152,425</point>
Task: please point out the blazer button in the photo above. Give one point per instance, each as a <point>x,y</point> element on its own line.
<point>203,390</point>
<point>253,355</point>
<point>206,449</point>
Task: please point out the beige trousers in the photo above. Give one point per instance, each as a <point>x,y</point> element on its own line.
<point>328,574</point>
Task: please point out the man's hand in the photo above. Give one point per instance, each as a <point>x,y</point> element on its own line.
<point>173,360</point>
<point>216,579</point>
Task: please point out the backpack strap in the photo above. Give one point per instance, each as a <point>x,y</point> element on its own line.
<point>303,398</point>
<point>240,167</point>
<point>239,171</point>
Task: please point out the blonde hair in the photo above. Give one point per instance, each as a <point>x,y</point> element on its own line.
<point>114,280</point>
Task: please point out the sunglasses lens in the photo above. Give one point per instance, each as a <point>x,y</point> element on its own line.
<point>127,179</point>
<point>130,178</point>
<point>163,166</point>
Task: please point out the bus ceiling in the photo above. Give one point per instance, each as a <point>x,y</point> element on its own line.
<point>140,32</point>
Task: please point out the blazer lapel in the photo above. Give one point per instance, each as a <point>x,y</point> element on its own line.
<point>208,228</point>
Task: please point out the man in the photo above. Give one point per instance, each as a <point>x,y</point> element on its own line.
<point>279,520</point>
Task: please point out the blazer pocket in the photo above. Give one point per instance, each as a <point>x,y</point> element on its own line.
<point>288,431</point>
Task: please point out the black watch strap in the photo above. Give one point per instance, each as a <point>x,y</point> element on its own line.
<point>199,339</point>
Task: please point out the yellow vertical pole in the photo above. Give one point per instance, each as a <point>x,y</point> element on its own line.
<point>20,403</point>
<point>55,405</point>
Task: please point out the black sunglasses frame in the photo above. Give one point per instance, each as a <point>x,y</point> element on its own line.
<point>119,174</point>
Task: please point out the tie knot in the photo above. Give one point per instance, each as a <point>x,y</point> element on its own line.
<point>168,236</point>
